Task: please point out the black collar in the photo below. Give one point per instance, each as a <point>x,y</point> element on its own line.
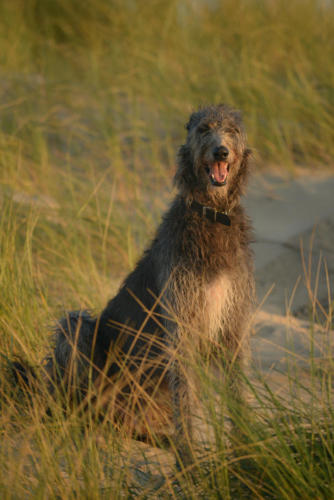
<point>210,213</point>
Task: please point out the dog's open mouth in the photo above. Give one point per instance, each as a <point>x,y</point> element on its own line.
<point>218,172</point>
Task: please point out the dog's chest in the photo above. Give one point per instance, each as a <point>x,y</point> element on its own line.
<point>218,300</point>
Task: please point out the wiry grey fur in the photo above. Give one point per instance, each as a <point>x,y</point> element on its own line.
<point>190,292</point>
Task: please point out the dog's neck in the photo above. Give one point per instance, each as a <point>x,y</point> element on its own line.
<point>225,204</point>
<point>212,214</point>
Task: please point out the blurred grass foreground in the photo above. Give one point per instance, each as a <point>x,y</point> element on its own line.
<point>94,96</point>
<point>114,74</point>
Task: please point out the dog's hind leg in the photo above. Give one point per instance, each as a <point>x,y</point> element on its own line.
<point>71,366</point>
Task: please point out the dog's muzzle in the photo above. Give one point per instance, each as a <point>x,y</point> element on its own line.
<point>218,170</point>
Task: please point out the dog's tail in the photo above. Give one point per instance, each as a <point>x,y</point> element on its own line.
<point>24,374</point>
<point>22,377</point>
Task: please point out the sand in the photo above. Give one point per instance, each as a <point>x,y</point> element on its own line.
<point>294,223</point>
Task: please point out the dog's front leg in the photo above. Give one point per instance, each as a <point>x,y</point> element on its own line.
<point>179,388</point>
<point>231,367</point>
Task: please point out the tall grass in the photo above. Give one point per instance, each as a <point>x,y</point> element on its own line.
<point>94,96</point>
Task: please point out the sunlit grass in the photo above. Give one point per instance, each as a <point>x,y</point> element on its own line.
<point>94,98</point>
<point>284,444</point>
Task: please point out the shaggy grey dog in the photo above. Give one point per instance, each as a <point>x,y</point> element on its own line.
<point>190,293</point>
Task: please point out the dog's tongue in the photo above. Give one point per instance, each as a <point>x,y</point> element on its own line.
<point>219,171</point>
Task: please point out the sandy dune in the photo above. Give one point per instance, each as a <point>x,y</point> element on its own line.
<point>294,261</point>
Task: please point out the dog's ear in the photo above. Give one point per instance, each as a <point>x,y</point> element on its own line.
<point>247,154</point>
<point>244,169</point>
<point>190,123</point>
<point>184,176</point>
<point>239,181</point>
<point>237,117</point>
<point>245,163</point>
<point>195,118</point>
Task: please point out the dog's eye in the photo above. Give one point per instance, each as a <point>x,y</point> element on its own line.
<point>203,128</point>
<point>232,130</point>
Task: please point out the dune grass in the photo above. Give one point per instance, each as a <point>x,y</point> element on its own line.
<point>116,80</point>
<point>94,97</point>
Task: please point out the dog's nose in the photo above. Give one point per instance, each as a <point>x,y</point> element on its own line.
<point>220,153</point>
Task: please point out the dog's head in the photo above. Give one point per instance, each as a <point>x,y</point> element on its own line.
<point>214,154</point>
